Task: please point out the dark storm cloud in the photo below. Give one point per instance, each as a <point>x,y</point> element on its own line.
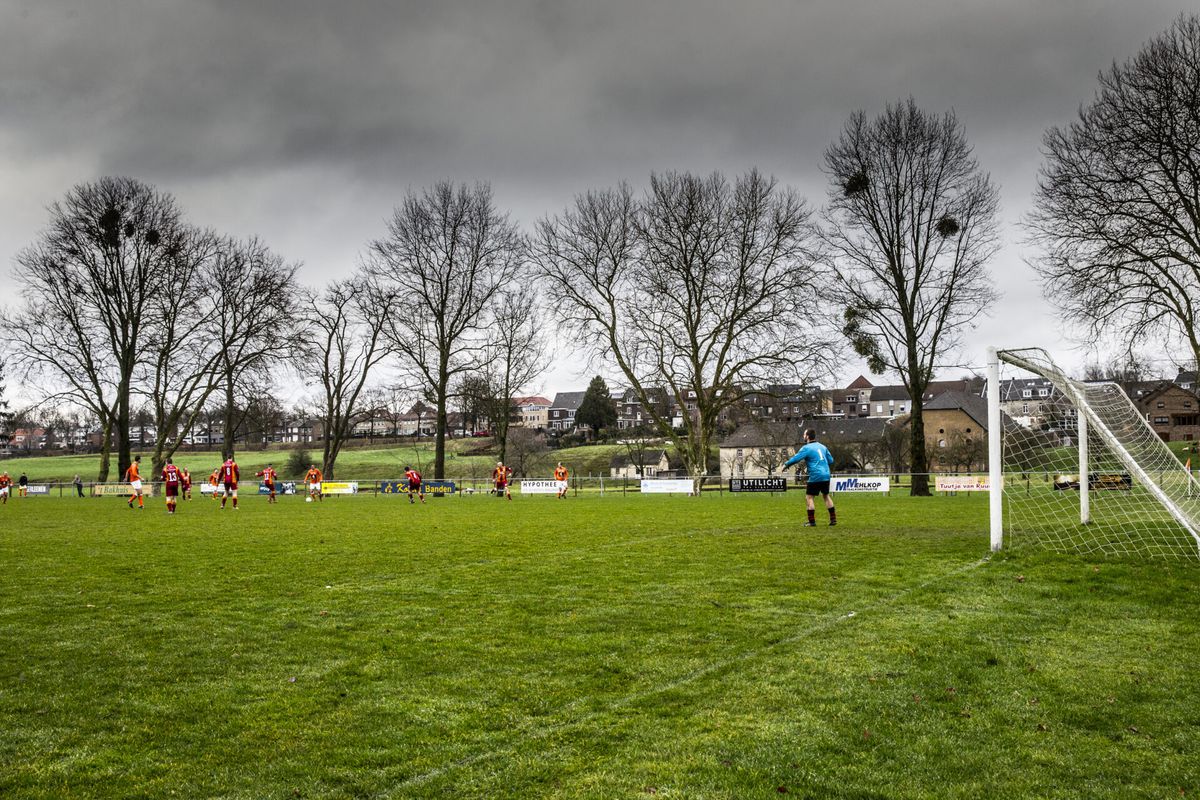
<point>306,121</point>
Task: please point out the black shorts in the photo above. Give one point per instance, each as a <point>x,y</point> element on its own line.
<point>414,487</point>
<point>817,487</point>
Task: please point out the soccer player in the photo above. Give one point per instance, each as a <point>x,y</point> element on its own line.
<point>560,477</point>
<point>228,478</point>
<point>23,484</point>
<point>818,461</point>
<point>502,475</point>
<point>313,479</point>
<point>268,475</point>
<point>213,481</point>
<point>5,483</point>
<point>133,475</point>
<point>414,484</point>
<point>185,484</point>
<point>171,479</point>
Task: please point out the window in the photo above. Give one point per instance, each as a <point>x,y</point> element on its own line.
<point>1027,393</point>
<point>1043,392</point>
<point>968,431</point>
<point>1024,408</point>
<point>1188,420</point>
<point>879,408</point>
<point>941,442</point>
<point>1187,403</point>
<point>1162,421</point>
<point>852,398</point>
<point>941,430</point>
<point>1160,404</point>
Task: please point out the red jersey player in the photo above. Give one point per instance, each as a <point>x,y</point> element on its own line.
<point>5,483</point>
<point>502,475</point>
<point>268,475</point>
<point>228,477</point>
<point>185,484</point>
<point>414,484</point>
<point>171,478</point>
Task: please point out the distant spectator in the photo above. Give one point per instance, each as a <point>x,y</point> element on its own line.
<point>78,484</point>
<point>23,483</point>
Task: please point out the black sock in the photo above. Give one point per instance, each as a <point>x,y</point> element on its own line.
<point>812,517</point>
<point>833,515</point>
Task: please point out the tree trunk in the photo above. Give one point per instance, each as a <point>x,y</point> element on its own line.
<point>439,445</point>
<point>227,422</point>
<point>124,447</point>
<point>920,462</point>
<point>105,450</point>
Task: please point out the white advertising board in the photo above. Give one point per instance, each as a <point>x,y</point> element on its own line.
<point>538,487</point>
<point>861,483</point>
<point>963,483</point>
<point>667,485</point>
<point>37,488</point>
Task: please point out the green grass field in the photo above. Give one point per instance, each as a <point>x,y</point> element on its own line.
<point>599,647</point>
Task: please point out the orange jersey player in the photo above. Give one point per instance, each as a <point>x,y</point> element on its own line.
<point>172,478</point>
<point>134,477</point>
<point>5,484</point>
<point>185,484</point>
<point>269,476</point>
<point>415,485</point>
<point>212,481</point>
<point>313,478</point>
<point>561,478</point>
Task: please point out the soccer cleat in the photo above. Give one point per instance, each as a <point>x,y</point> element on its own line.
<point>832,522</point>
<point>810,524</point>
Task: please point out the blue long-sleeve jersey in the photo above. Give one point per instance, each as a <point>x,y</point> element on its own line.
<point>817,458</point>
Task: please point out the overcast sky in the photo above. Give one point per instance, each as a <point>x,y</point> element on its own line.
<point>305,122</point>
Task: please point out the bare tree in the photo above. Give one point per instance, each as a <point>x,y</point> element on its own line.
<point>5,415</point>
<point>1117,211</point>
<point>527,452</point>
<point>347,321</point>
<point>910,224</point>
<point>701,287</point>
<point>448,251</point>
<point>255,305</point>
<point>88,284</point>
<point>515,356</point>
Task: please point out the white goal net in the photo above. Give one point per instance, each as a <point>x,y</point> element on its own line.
<point>1082,469</point>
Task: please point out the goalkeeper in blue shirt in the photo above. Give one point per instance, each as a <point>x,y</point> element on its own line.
<point>818,462</point>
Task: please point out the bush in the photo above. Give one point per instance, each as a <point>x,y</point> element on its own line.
<point>297,463</point>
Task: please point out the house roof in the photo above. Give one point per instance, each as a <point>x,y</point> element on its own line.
<point>536,400</point>
<point>860,383</point>
<point>1186,377</point>
<point>568,400</point>
<point>972,405</point>
<point>1162,388</point>
<point>892,392</point>
<point>654,457</point>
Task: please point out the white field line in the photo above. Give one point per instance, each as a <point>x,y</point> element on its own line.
<point>690,677</point>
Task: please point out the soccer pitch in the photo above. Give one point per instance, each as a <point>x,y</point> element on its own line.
<point>598,647</point>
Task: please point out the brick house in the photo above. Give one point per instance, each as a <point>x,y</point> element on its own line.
<point>1172,411</point>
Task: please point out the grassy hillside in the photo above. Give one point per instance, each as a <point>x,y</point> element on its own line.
<point>465,458</point>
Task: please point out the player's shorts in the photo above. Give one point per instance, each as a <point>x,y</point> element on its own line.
<point>414,486</point>
<point>560,485</point>
<point>135,485</point>
<point>3,491</point>
<point>501,486</point>
<point>270,486</point>
<point>171,490</point>
<point>817,487</point>
<point>230,486</point>
<point>314,487</point>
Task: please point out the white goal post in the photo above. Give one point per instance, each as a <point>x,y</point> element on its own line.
<point>1064,436</point>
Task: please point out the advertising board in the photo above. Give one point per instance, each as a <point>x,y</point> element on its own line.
<point>963,483</point>
<point>667,486</point>
<point>776,484</point>
<point>537,487</point>
<point>861,483</point>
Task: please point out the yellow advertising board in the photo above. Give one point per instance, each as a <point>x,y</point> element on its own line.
<point>120,490</point>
